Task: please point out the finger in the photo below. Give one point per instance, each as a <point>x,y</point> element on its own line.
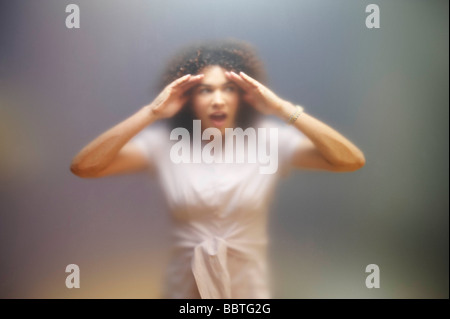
<point>238,80</point>
<point>252,82</point>
<point>193,81</point>
<point>160,99</point>
<point>180,81</point>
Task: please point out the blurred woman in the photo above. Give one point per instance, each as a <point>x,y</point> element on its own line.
<point>219,207</point>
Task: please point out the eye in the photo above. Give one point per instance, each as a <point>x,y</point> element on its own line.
<point>204,90</point>
<point>230,88</point>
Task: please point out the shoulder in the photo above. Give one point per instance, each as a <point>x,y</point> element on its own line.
<point>152,139</point>
<point>289,140</point>
<point>286,133</point>
<point>153,133</point>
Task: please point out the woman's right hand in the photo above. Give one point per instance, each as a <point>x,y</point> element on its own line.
<point>173,97</point>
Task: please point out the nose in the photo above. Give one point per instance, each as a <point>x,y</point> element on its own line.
<point>218,100</point>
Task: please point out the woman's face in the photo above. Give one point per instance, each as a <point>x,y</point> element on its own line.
<point>215,100</point>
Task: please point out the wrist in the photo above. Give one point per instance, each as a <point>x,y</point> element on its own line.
<point>285,110</point>
<point>150,113</point>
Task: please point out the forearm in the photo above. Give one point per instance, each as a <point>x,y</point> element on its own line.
<point>99,153</point>
<point>334,147</point>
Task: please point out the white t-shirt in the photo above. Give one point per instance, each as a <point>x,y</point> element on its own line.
<point>219,215</point>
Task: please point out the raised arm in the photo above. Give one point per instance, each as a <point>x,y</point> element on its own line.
<point>111,148</point>
<point>110,153</point>
<point>325,148</point>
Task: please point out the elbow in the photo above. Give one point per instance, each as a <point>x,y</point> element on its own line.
<point>76,170</point>
<point>351,165</point>
<point>79,171</point>
<point>356,163</point>
<point>359,162</point>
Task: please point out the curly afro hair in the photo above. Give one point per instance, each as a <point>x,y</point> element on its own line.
<point>230,54</point>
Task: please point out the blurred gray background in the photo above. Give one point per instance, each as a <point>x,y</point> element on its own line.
<point>385,89</point>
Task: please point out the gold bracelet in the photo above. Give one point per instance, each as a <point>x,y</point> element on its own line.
<point>294,116</point>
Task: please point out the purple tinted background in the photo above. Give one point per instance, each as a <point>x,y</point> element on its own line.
<point>386,89</point>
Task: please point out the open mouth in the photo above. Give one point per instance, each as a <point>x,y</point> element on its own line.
<point>218,119</point>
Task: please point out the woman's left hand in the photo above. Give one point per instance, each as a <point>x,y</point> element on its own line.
<point>258,95</point>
